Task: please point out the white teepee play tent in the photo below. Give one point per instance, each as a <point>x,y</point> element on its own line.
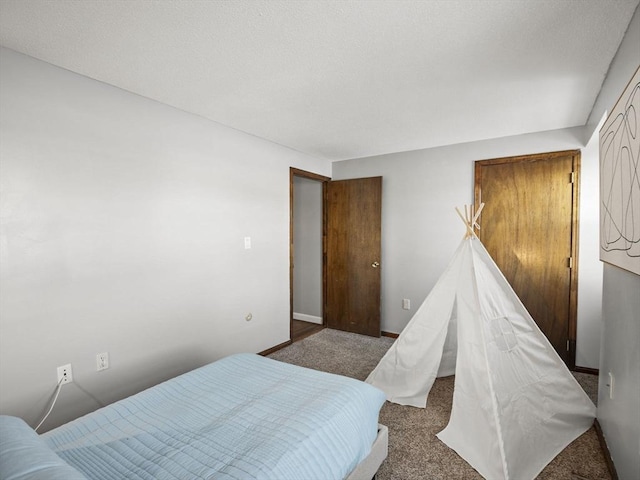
<point>515,403</point>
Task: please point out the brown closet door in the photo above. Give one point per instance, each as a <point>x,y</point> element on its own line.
<point>529,227</point>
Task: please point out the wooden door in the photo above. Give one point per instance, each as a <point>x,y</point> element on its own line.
<point>529,227</point>
<point>353,255</point>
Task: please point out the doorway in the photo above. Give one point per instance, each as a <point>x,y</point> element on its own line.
<point>344,248</point>
<point>529,226</point>
<point>307,269</point>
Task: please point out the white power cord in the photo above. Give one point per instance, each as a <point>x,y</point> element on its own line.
<point>55,398</point>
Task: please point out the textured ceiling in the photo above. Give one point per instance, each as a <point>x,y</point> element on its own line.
<point>340,79</point>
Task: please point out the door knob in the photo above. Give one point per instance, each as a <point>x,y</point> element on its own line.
<point>375,264</point>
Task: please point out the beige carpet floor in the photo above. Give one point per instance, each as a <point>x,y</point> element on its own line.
<point>414,450</point>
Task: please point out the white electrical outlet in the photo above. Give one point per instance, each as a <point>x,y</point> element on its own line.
<point>102,361</point>
<point>611,384</point>
<point>65,374</point>
<point>406,304</point>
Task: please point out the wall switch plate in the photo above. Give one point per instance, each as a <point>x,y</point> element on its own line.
<point>65,374</point>
<point>247,243</point>
<point>102,361</point>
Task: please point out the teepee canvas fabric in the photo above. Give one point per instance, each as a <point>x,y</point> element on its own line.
<point>515,404</point>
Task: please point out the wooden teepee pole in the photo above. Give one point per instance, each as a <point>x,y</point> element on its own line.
<point>470,219</point>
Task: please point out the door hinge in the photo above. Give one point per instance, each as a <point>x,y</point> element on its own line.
<point>567,345</point>
<point>572,177</point>
<point>570,262</point>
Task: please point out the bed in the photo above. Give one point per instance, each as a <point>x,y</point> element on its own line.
<point>244,416</point>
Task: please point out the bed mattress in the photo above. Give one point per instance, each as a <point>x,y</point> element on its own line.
<point>244,416</point>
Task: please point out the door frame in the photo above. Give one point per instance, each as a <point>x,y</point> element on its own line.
<point>295,172</point>
<point>575,211</point>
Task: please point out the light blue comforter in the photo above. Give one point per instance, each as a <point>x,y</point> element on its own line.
<point>244,416</point>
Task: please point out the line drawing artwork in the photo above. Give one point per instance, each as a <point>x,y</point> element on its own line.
<point>620,181</point>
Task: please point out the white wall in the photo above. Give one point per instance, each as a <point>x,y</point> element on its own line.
<point>420,229</point>
<point>619,416</point>
<point>122,226</point>
<point>589,326</point>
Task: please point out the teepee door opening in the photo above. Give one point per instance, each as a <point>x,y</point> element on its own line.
<point>529,227</point>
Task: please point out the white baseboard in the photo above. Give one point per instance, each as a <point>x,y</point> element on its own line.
<point>307,318</point>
